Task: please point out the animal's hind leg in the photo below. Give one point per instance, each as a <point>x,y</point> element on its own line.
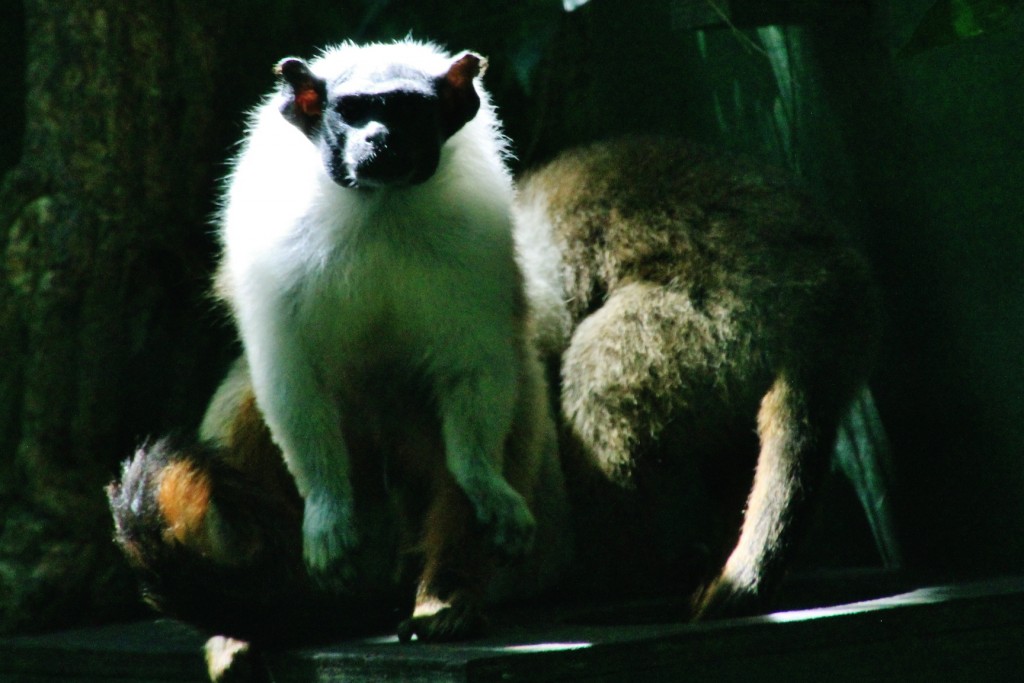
<point>797,428</point>
<point>449,597</point>
<point>635,383</point>
<point>630,369</point>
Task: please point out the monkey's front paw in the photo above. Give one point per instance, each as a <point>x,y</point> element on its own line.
<point>507,521</point>
<point>329,540</point>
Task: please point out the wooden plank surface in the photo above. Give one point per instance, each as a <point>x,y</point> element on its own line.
<point>970,632</point>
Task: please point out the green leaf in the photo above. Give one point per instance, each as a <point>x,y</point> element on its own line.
<point>951,21</point>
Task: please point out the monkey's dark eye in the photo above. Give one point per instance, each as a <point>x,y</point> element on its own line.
<point>354,108</point>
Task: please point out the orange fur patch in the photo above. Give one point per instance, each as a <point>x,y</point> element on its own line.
<point>184,500</point>
<point>250,449</point>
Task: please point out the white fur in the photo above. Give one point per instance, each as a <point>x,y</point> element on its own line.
<point>540,258</point>
<point>324,280</point>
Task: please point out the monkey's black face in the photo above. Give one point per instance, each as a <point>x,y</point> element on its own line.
<point>381,139</point>
<point>382,128</point>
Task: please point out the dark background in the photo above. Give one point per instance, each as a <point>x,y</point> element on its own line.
<point>912,132</point>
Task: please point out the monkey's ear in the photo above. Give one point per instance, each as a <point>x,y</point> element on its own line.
<point>306,94</point>
<point>459,99</point>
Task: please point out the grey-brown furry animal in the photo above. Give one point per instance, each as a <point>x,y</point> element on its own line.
<point>694,298</point>
<point>707,327</point>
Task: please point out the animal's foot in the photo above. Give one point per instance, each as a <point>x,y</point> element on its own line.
<point>725,599</point>
<point>508,525</point>
<point>328,540</point>
<point>233,661</point>
<point>460,620</point>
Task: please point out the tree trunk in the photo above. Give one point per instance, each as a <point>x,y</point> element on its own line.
<point>104,250</point>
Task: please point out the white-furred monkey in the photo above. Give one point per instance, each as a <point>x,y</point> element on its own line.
<point>368,260</point>
<point>708,324</point>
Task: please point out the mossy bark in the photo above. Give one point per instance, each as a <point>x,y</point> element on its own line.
<point>103,259</point>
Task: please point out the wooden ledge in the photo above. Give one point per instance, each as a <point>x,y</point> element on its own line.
<point>969,631</point>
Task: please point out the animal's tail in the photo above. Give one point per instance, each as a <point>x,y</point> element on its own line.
<point>217,547</point>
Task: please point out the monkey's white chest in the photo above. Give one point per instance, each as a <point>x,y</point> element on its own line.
<point>360,303</point>
<point>366,308</point>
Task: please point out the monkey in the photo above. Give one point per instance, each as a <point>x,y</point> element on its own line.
<point>706,325</point>
<point>711,321</point>
<point>369,265</point>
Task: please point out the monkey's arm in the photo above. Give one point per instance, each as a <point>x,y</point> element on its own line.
<point>473,414</point>
<point>478,390</point>
<point>306,424</point>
